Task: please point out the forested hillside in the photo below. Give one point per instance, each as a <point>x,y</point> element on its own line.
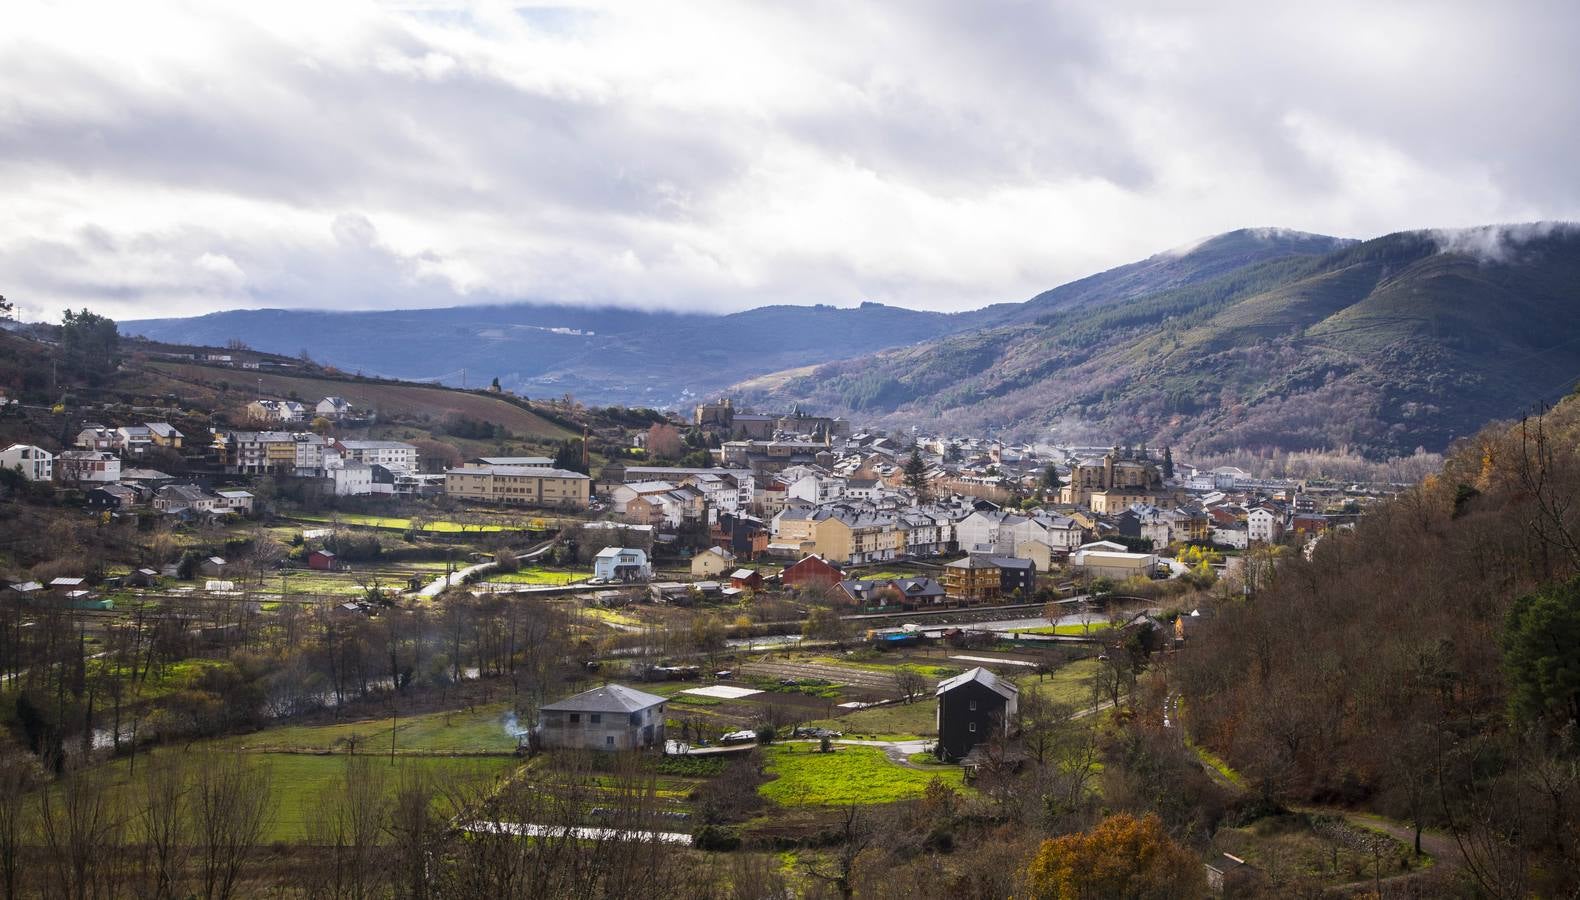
<point>1427,665</point>
<point>1382,346</point>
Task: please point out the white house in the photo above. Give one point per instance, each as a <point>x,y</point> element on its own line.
<point>1264,525</point>
<point>621,564</point>
<point>395,455</point>
<point>134,439</point>
<point>36,463</point>
<point>351,478</point>
<point>88,467</point>
<point>333,408</point>
<point>97,437</point>
<point>235,500</point>
<point>815,488</point>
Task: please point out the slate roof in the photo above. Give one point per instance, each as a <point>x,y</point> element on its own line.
<point>612,698</point>
<point>983,677</point>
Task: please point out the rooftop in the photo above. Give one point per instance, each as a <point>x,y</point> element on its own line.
<point>613,698</point>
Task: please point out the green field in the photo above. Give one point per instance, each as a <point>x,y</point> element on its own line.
<point>850,774</point>
<point>1071,684</point>
<point>919,719</point>
<point>480,731</point>
<point>161,680</point>
<point>301,782</point>
<point>1094,629</point>
<point>402,524</point>
<point>538,575</point>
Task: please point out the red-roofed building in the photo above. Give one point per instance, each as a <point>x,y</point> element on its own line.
<point>812,571</point>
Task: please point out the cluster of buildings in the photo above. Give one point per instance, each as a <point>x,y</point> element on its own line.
<point>335,409</point>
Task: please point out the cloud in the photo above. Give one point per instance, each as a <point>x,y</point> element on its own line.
<point>171,158</point>
<point>1496,243</point>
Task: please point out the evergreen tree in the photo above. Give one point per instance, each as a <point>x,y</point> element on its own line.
<point>569,456</point>
<point>1050,479</point>
<point>916,475</point>
<point>1168,462</point>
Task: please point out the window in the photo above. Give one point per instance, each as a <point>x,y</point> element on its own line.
<point>597,718</point>
<point>609,741</point>
<point>576,718</point>
<point>973,728</point>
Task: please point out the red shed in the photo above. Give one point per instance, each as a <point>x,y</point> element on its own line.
<point>322,560</point>
<point>812,571</point>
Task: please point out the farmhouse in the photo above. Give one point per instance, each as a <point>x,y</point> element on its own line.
<point>712,562</point>
<point>971,706</point>
<point>612,717</point>
<point>621,564</point>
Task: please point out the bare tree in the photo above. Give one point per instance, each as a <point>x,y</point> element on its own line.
<point>18,774</point>
<point>909,683</point>
<point>164,820</point>
<point>81,832</point>
<point>232,804</point>
<point>347,825</point>
<point>855,831</point>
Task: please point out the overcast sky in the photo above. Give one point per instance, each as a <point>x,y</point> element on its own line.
<point>174,158</point>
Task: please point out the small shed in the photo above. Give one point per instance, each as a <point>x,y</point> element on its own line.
<point>746,579</point>
<point>212,566</point>
<point>322,560</point>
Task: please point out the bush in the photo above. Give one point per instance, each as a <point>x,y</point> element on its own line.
<point>715,837</point>
<point>765,734</point>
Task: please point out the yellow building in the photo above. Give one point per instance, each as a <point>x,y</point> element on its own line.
<point>519,485</point>
<point>1115,482</point>
<point>973,579</point>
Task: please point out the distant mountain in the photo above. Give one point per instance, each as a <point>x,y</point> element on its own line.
<point>660,359</point>
<point>1408,340</point>
<point>602,356</point>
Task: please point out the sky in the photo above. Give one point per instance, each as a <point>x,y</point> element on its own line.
<point>167,158</point>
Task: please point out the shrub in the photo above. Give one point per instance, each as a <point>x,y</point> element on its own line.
<point>715,837</point>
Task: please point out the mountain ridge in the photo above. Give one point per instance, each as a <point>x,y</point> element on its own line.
<point>1382,346</point>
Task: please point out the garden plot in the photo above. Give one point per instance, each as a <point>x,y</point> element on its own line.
<point>998,661</point>
<point>864,679</point>
<point>722,691</point>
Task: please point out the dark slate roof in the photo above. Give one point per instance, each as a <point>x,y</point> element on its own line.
<point>983,677</point>
<point>611,698</point>
<point>1011,562</point>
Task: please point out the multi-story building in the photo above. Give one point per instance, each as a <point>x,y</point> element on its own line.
<point>88,467</point>
<point>519,485</point>
<point>35,463</point>
<point>1115,482</point>
<point>974,579</point>
<point>393,455</point>
<point>163,434</point>
<point>612,717</point>
<point>256,452</point>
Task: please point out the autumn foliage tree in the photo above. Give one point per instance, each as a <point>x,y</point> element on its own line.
<point>1123,857</point>
<point>663,441</point>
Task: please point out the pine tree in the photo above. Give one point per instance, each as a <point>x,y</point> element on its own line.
<point>916,475</point>
<point>1168,462</point>
<point>1050,479</point>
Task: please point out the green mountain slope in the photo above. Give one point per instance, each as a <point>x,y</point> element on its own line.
<point>1382,347</point>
